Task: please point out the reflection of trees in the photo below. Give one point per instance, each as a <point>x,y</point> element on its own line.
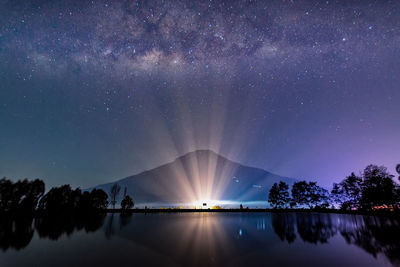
<point>124,219</point>
<point>53,227</point>
<point>109,226</point>
<point>376,235</point>
<point>197,236</point>
<point>312,228</point>
<point>18,232</point>
<point>315,228</point>
<point>15,233</point>
<point>283,224</point>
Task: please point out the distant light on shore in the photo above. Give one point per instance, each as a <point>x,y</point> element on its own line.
<point>225,204</point>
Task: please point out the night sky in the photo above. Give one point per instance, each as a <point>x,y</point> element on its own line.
<point>93,91</point>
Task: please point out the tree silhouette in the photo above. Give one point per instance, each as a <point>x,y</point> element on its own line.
<point>348,192</point>
<point>337,194</point>
<point>318,195</point>
<point>273,195</point>
<point>60,199</point>
<point>21,196</point>
<point>64,199</point>
<point>378,188</point>
<point>127,203</point>
<point>6,195</point>
<point>33,192</point>
<point>98,199</point>
<point>279,195</point>
<point>95,200</point>
<point>125,189</point>
<point>398,169</point>
<point>301,193</point>
<point>309,194</point>
<point>114,192</point>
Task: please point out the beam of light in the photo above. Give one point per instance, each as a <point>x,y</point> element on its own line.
<point>201,180</point>
<point>201,177</point>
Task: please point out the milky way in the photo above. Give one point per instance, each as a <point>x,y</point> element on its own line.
<point>97,90</point>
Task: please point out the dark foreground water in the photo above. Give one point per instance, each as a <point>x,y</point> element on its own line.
<point>202,239</point>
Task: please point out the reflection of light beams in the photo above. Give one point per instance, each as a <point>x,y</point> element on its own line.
<point>201,234</point>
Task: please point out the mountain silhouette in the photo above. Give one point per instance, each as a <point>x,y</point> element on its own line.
<point>195,176</point>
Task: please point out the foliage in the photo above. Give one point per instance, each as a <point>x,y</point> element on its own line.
<point>60,199</point>
<point>319,196</point>
<point>127,203</point>
<point>27,196</point>
<point>98,199</point>
<point>348,192</point>
<point>375,189</point>
<point>114,192</point>
<point>309,194</point>
<point>21,196</point>
<point>279,195</point>
<point>64,199</point>
<point>300,193</point>
<point>378,188</point>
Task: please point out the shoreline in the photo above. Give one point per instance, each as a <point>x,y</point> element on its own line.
<point>333,211</point>
<point>89,213</point>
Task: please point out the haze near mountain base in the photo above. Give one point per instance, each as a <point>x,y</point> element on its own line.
<point>198,177</point>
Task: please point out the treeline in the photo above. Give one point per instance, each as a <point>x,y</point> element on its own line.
<point>373,189</point>
<point>26,197</point>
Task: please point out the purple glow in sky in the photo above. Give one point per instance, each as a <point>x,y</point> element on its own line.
<point>91,91</point>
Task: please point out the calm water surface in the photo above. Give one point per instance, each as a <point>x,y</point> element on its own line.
<point>202,239</point>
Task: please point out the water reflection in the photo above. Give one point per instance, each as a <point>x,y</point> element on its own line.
<point>53,227</point>
<point>200,239</point>
<point>315,228</point>
<point>124,219</point>
<point>17,233</point>
<point>375,235</point>
<point>284,226</point>
<point>195,238</point>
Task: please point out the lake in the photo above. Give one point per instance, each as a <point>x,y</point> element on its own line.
<point>202,239</point>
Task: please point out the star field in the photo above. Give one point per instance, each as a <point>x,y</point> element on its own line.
<point>97,90</point>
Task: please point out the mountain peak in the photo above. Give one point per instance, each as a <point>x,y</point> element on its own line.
<point>204,157</point>
<point>198,175</point>
<point>200,152</point>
